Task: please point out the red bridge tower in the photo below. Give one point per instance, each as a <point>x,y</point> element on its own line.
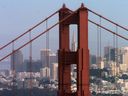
<point>67,57</point>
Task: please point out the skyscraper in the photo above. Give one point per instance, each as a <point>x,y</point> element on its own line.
<point>55,71</point>
<point>109,53</point>
<point>73,43</point>
<point>45,72</point>
<point>124,59</point>
<point>44,56</point>
<point>73,48</point>
<point>47,59</point>
<point>17,61</point>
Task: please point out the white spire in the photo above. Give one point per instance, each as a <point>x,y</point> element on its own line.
<point>74,45</point>
<point>73,37</point>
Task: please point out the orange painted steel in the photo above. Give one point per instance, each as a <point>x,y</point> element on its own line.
<point>67,57</point>
<point>33,39</point>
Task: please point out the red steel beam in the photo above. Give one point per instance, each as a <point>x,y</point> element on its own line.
<point>38,35</point>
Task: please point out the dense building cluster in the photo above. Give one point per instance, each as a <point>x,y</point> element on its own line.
<point>108,73</point>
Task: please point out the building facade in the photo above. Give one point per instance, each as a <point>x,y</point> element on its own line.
<point>17,61</point>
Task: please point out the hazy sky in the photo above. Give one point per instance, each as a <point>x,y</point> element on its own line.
<point>19,15</point>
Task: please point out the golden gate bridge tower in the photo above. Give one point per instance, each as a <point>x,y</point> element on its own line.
<point>66,56</point>
<point>80,57</point>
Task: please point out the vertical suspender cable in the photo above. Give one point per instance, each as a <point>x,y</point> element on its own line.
<point>98,52</point>
<point>47,51</point>
<point>30,62</point>
<point>98,45</point>
<point>100,41</point>
<point>13,68</point>
<point>114,58</point>
<point>117,52</point>
<point>100,49</point>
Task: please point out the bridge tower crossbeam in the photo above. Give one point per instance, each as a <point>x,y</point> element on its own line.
<point>67,57</point>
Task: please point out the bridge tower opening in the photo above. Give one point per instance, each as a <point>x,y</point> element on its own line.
<point>66,57</point>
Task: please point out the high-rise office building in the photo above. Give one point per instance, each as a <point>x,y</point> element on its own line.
<point>112,54</point>
<point>17,61</point>
<point>55,71</point>
<point>47,58</point>
<point>109,53</point>
<point>44,57</point>
<point>45,72</point>
<point>124,56</point>
<point>33,66</point>
<point>119,57</point>
<point>53,60</point>
<point>93,59</point>
<point>107,50</point>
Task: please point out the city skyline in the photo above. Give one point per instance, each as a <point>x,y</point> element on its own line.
<point>82,52</point>
<point>23,19</point>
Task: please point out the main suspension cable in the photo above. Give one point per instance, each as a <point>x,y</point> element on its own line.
<point>40,34</point>
<point>108,30</point>
<point>29,30</point>
<point>107,19</point>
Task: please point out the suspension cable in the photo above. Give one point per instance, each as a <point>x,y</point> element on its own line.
<point>114,33</point>
<point>29,30</point>
<point>40,34</point>
<point>107,19</point>
<point>108,30</point>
